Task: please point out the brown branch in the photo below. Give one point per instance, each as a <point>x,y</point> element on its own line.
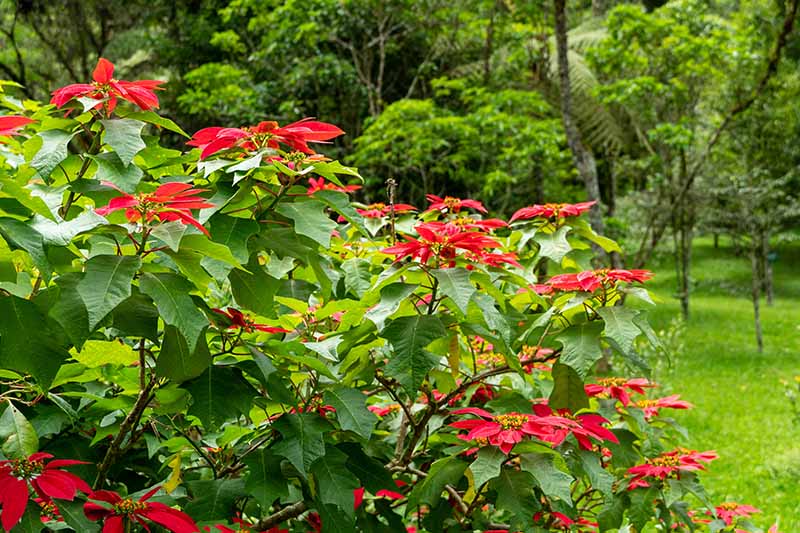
<point>288,512</point>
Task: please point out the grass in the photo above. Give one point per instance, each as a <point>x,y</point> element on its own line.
<point>741,410</point>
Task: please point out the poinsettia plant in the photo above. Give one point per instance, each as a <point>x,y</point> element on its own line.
<point>220,338</point>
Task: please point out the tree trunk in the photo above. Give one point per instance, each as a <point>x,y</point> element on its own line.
<point>581,155</point>
<point>756,294</point>
<point>766,268</point>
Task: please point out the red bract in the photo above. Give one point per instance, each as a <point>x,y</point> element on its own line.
<point>11,124</point>
<point>382,411</point>
<point>591,280</point>
<point>265,134</point>
<point>730,511</point>
<point>43,476</point>
<point>380,210</point>
<point>562,521</point>
<point>617,388</point>
<point>652,407</point>
<point>669,464</point>
<point>245,323</point>
<point>503,431</point>
<point>558,425</point>
<point>140,511</point>
<point>442,243</point>
<point>552,211</point>
<point>105,87</point>
<point>452,205</point>
<point>171,201</point>
<point>321,185</point>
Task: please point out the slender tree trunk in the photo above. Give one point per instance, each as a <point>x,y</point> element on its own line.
<point>581,155</point>
<point>766,268</point>
<point>756,295</point>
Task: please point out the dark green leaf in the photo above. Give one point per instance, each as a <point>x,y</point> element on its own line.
<point>69,309</point>
<point>31,521</point>
<point>136,317</point>
<point>111,168</point>
<point>213,498</point>
<point>26,343</point>
<point>233,233</point>
<point>351,410</point>
<point>340,202</point>
<point>53,151</point>
<point>392,296</point>
<point>170,293</point>
<point>22,236</point>
<point>176,362</point>
<point>445,471</point>
<point>265,482</point>
<point>553,481</point>
<point>619,326</point>
<point>255,290</point>
<point>72,512</point>
<point>124,136</point>
<point>488,464</point>
<point>336,483</point>
<point>302,442</point>
<point>599,477</point>
<point>515,496</point>
<point>409,335</point>
<point>106,284</point>
<point>568,391</point>
<point>218,395</point>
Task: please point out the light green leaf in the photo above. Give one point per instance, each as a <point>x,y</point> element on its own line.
<point>61,233</point>
<point>19,235</point>
<point>620,326</point>
<point>553,245</point>
<point>208,248</point>
<point>340,202</point>
<point>392,296</point>
<point>157,120</point>
<point>357,275</point>
<point>170,233</point>
<point>18,439</point>
<point>23,195</point>
<point>106,284</point>
<point>111,168</point>
<point>95,354</point>
<point>310,220</point>
<point>53,151</point>
<point>454,283</point>
<point>124,136</point>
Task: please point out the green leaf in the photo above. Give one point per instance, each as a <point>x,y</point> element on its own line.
<point>357,275</point>
<point>95,354</point>
<point>233,233</point>
<point>69,311</point>
<point>409,335</point>
<point>26,343</point>
<point>254,290</point>
<point>176,362</point>
<point>136,317</point>
<point>351,410</point>
<point>612,513</point>
<point>24,196</point>
<point>61,233</point>
<point>445,471</point>
<point>106,284</point>
<point>488,464</point>
<point>310,220</point>
<point>208,248</point>
<point>18,439</point>
<point>170,293</point>
<point>213,498</point>
<point>265,480</point>
<point>603,242</point>
<point>19,235</point>
<point>515,496</point>
<point>568,391</point>
<point>335,482</point>
<point>124,136</point>
<point>340,202</point>
<point>218,395</point>
<point>53,151</point>
<point>553,245</point>
<point>552,481</point>
<point>157,120</point>
<point>372,473</point>
<point>620,327</point>
<point>170,233</point>
<point>31,520</point>
<point>72,512</point>
<point>581,344</point>
<point>454,283</point>
<point>599,477</point>
<point>111,168</point>
<point>302,442</point>
<point>392,296</point>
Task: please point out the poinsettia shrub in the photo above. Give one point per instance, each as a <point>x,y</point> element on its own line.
<point>224,339</point>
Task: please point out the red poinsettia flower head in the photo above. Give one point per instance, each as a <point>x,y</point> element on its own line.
<point>11,124</point>
<point>171,201</point>
<point>452,205</point>
<point>503,431</point>
<point>669,464</point>
<point>107,90</point>
<point>245,322</point>
<point>552,211</point>
<point>618,388</point>
<point>651,408</point>
<point>127,510</point>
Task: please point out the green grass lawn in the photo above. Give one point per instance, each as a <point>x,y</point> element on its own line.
<point>741,409</point>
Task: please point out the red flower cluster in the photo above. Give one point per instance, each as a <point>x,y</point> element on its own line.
<point>46,479</point>
<point>171,201</point>
<point>11,124</point>
<point>441,241</point>
<point>617,388</point>
<point>730,511</point>
<point>552,211</point>
<point>558,425</point>
<point>321,185</point>
<point>107,89</point>
<point>652,407</point>
<point>245,323</point>
<point>122,510</point>
<point>383,410</point>
<point>380,210</point>
<point>266,134</point>
<point>669,464</point>
<point>503,431</point>
<point>591,280</point>
<point>452,205</point>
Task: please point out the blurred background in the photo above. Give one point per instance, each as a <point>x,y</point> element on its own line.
<point>682,117</point>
